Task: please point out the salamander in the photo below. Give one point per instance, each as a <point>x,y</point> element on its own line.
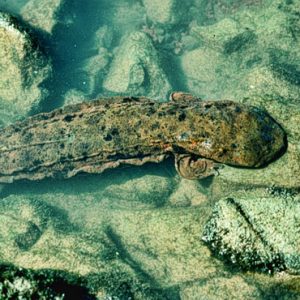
<point>94,136</point>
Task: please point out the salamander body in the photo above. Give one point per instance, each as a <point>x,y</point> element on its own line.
<point>93,136</point>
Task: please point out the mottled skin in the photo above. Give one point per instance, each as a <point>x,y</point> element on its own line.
<point>93,136</point>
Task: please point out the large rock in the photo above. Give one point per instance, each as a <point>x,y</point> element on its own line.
<point>136,69</point>
<point>24,68</point>
<point>258,230</point>
<point>253,54</point>
<point>42,14</point>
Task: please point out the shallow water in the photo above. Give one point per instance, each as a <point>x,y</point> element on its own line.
<point>135,232</point>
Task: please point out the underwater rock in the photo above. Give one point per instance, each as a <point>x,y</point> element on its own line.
<point>42,14</point>
<point>165,12</point>
<point>126,16</point>
<point>103,38</point>
<point>94,68</point>
<point>25,221</point>
<point>257,231</point>
<point>24,67</point>
<point>136,69</point>
<point>126,251</point>
<point>217,35</point>
<point>200,67</point>
<point>216,10</point>
<point>233,287</point>
<point>253,55</point>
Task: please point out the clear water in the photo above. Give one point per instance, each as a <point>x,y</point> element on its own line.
<point>139,228</point>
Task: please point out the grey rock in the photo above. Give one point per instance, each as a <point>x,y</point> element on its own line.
<point>257,231</point>
<point>136,69</point>
<point>23,67</point>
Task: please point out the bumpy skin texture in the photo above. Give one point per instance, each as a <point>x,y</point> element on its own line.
<point>91,137</point>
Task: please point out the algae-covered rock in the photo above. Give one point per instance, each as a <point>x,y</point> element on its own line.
<point>42,14</point>
<point>125,252</point>
<point>252,54</point>
<point>218,34</point>
<point>164,12</point>
<point>257,231</point>
<point>136,69</point>
<point>23,67</point>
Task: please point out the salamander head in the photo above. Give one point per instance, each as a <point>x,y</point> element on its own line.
<point>247,137</point>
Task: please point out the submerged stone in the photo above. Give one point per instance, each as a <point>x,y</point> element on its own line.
<point>136,69</point>
<point>24,67</point>
<point>257,231</point>
<point>42,14</point>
